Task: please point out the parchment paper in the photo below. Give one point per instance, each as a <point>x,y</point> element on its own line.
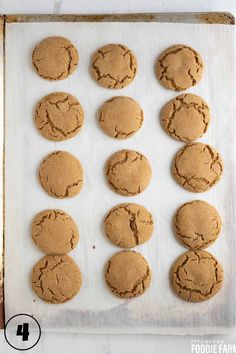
<point>95,309</point>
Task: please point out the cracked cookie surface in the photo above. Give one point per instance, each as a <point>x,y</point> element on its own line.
<point>120,117</point>
<point>128,274</point>
<point>113,66</point>
<point>179,67</point>
<point>186,118</point>
<point>197,167</point>
<point>196,276</point>
<point>197,224</point>
<point>128,172</point>
<point>54,232</point>
<point>61,175</point>
<point>59,116</point>
<point>55,58</point>
<point>129,225</point>
<point>56,279</point>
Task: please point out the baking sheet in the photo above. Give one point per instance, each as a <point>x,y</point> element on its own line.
<point>96,309</point>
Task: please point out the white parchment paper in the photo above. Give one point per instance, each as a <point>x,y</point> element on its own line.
<point>95,309</point>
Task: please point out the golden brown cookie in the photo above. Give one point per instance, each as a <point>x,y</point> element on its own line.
<point>179,67</point>
<point>186,117</point>
<point>61,174</point>
<point>197,167</point>
<point>55,58</point>
<point>56,279</point>
<point>59,116</point>
<point>128,172</point>
<point>197,224</point>
<point>196,276</point>
<point>54,232</point>
<point>120,117</point>
<point>114,66</point>
<point>128,274</point>
<point>128,225</point>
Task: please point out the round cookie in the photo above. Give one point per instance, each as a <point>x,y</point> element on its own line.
<point>59,116</point>
<point>54,232</point>
<point>186,118</point>
<point>197,167</point>
<point>128,225</point>
<point>179,67</point>
<point>120,117</point>
<point>61,174</point>
<point>128,274</point>
<point>55,58</point>
<point>196,276</point>
<point>56,279</point>
<point>197,224</point>
<point>128,172</point>
<point>113,66</point>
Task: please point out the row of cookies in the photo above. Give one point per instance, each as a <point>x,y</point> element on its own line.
<point>115,65</point>
<point>56,278</point>
<point>196,275</point>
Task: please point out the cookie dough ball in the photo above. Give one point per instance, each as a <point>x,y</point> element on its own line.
<point>56,279</point>
<point>120,117</point>
<point>61,175</point>
<point>128,172</point>
<point>59,116</point>
<point>196,276</point>
<point>55,58</point>
<point>128,274</point>
<point>197,224</point>
<point>179,67</point>
<point>197,167</point>
<point>129,225</point>
<point>114,66</point>
<point>54,232</point>
<point>186,118</point>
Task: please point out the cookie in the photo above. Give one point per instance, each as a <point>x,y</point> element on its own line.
<point>186,118</point>
<point>196,276</point>
<point>128,274</point>
<point>197,167</point>
<point>128,172</point>
<point>61,174</point>
<point>114,66</point>
<point>120,117</point>
<point>128,225</point>
<point>59,116</point>
<point>56,279</point>
<point>55,58</point>
<point>54,232</point>
<point>197,224</point>
<point>179,67</point>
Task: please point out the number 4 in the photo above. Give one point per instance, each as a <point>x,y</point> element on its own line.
<point>23,330</point>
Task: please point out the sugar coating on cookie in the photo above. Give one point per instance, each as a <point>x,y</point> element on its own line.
<point>59,116</point>
<point>128,172</point>
<point>179,67</point>
<point>196,276</point>
<point>56,279</point>
<point>197,224</point>
<point>61,174</point>
<point>55,58</point>
<point>113,66</point>
<point>120,117</point>
<point>54,232</point>
<point>197,167</point>
<point>128,225</point>
<point>186,118</point>
<point>128,274</point>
